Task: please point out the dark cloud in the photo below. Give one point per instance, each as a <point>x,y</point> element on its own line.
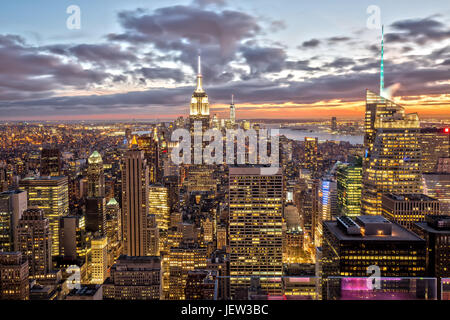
<point>205,3</point>
<point>340,63</point>
<point>26,72</point>
<point>302,65</point>
<point>334,40</point>
<point>188,31</point>
<point>264,59</point>
<point>313,43</point>
<point>420,31</point>
<point>162,73</point>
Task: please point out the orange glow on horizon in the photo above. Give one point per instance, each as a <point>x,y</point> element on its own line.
<point>425,105</point>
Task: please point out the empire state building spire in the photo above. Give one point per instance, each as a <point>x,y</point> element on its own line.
<point>199,76</point>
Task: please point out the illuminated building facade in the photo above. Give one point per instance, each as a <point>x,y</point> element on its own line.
<point>392,158</point>
<point>435,144</point>
<point>199,178</point>
<point>135,202</point>
<point>407,209</point>
<point>182,259</point>
<point>95,176</point>
<point>328,208</point>
<point>12,205</point>
<point>134,278</point>
<point>99,260</point>
<point>349,184</point>
<point>351,246</point>
<point>35,241</point>
<point>256,204</point>
<point>14,283</point>
<point>311,155</point>
<point>159,205</point>
<point>51,195</point>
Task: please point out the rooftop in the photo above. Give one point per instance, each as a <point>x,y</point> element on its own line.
<point>398,233</point>
<point>410,197</point>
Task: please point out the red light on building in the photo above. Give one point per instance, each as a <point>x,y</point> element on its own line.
<point>447,130</point>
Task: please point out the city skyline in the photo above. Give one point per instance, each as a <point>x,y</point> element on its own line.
<point>140,63</point>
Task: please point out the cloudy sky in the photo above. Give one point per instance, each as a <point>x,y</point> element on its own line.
<point>136,59</point>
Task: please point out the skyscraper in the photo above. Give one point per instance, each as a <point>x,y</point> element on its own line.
<point>333,123</point>
<point>311,155</point>
<point>199,110</point>
<point>392,158</point>
<point>51,163</point>
<point>96,215</point>
<point>256,204</point>
<point>35,241</point>
<point>328,208</point>
<point>150,145</point>
<point>95,176</point>
<point>51,195</point>
<point>349,184</point>
<point>232,111</point>
<point>135,182</point>
<point>159,205</point>
<point>12,205</point>
<point>435,144</point>
<point>99,260</point>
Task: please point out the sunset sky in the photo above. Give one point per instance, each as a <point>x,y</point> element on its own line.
<point>136,59</point>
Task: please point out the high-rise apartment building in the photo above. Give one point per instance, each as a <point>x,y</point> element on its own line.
<point>12,205</point>
<point>135,183</point>
<point>51,195</point>
<point>35,241</point>
<point>392,159</point>
<point>256,202</point>
<point>407,209</point>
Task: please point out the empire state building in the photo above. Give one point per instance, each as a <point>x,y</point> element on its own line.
<point>199,110</point>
